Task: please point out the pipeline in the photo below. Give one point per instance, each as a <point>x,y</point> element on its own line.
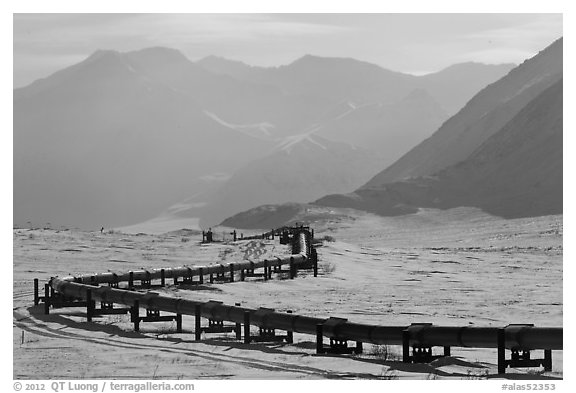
<point>186,271</point>
<point>525,337</point>
<point>303,255</point>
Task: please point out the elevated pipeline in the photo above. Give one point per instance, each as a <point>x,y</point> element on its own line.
<point>526,337</point>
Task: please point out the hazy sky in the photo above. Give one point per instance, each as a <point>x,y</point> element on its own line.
<point>413,43</point>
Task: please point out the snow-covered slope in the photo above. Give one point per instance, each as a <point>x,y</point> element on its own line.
<point>449,268</point>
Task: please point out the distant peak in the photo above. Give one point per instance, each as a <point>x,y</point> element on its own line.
<point>101,53</point>
<point>310,59</point>
<point>159,52</point>
<point>475,64</point>
<point>214,59</point>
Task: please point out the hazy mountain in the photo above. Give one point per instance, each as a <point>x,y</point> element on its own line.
<point>502,153</point>
<point>347,79</point>
<point>483,116</point>
<point>453,86</point>
<point>301,168</point>
<point>233,68</point>
<point>119,137</point>
<point>392,129</point>
<point>517,172</point>
<point>104,143</point>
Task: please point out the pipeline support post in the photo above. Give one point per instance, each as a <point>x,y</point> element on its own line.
<point>162,277</point>
<point>406,346</point>
<point>90,305</point>
<point>197,322</point>
<point>320,339</point>
<point>267,333</point>
<point>36,297</point>
<point>289,333</point>
<point>135,312</point>
<point>238,326</point>
<point>421,352</point>
<point>231,272</point>
<point>547,363</point>
<point>247,338</point>
<point>315,261</point>
<point>114,283</point>
<point>292,268</point>
<point>520,357</point>
<point>47,299</point>
<point>338,344</point>
<point>265,270</point>
<point>146,282</point>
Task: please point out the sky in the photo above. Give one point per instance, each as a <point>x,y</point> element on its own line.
<point>412,43</point>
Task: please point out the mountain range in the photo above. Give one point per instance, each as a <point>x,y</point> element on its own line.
<point>120,137</point>
<point>502,153</point>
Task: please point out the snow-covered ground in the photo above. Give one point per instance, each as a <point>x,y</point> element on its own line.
<point>460,267</point>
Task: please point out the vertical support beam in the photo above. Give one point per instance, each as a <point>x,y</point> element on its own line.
<point>315,261</point>
<point>238,327</point>
<point>211,278</point>
<point>162,277</point>
<point>36,297</point>
<point>247,327</point>
<point>46,299</point>
<point>446,351</point>
<point>501,351</point>
<point>130,279</point>
<point>406,346</point>
<point>265,270</point>
<point>289,333</point>
<point>242,275</point>
<point>115,282</point>
<point>547,360</point>
<point>136,315</point>
<point>175,280</point>
<point>319,339</point>
<point>231,272</point>
<point>178,323</point>
<point>292,268</point>
<point>89,305</point>
<point>201,274</point>
<point>359,348</point>
<point>197,322</point>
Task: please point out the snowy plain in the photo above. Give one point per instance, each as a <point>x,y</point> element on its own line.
<point>459,267</point>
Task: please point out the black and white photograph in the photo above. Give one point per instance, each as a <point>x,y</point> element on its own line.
<point>287,196</point>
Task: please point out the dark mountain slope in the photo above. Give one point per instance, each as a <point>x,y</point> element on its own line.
<point>482,117</point>
<point>517,172</point>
